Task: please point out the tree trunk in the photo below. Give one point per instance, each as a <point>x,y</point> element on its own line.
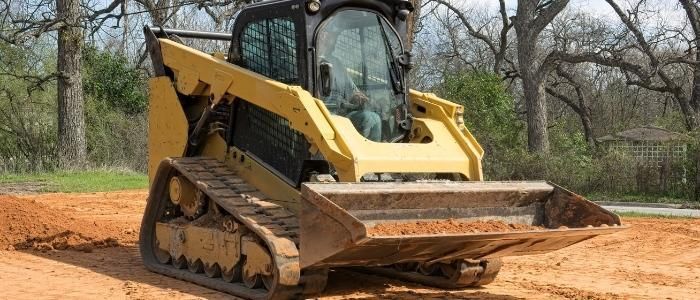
<point>71,118</point>
<point>536,104</point>
<point>696,197</point>
<point>412,23</point>
<point>588,130</point>
<point>531,18</point>
<point>534,92</point>
<point>693,126</point>
<point>125,24</point>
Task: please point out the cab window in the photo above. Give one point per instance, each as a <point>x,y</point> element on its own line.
<point>268,47</point>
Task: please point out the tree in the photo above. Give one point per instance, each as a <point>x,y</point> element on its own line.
<point>532,17</point>
<point>25,21</point>
<point>647,61</point>
<point>111,79</point>
<point>489,112</point>
<point>71,118</point>
<point>413,24</point>
<point>497,46</point>
<point>490,116</point>
<point>579,104</point>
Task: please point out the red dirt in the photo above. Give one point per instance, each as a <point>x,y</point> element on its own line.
<point>654,259</point>
<point>446,226</point>
<point>32,225</point>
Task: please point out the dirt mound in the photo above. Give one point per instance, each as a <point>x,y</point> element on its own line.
<point>28,224</point>
<point>446,226</point>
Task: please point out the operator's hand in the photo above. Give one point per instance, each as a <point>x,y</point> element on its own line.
<point>359,98</point>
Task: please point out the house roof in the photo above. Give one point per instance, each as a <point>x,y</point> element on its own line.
<point>645,133</point>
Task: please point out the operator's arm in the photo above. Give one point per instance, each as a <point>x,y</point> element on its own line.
<point>352,94</point>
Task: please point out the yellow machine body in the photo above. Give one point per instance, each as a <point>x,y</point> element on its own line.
<point>452,148</point>
<point>245,223</point>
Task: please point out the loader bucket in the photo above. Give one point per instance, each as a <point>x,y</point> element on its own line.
<point>335,218</point>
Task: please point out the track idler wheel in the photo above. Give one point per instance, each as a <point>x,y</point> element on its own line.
<point>257,264</point>
<point>162,256</point>
<point>235,274</point>
<point>192,202</point>
<point>179,263</point>
<point>268,281</point>
<point>212,270</point>
<point>251,279</point>
<point>195,266</point>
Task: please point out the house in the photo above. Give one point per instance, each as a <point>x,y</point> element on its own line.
<point>660,155</point>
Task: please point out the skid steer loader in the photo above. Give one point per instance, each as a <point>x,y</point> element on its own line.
<point>270,164</point>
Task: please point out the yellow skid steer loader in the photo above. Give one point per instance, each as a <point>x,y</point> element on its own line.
<point>273,162</point>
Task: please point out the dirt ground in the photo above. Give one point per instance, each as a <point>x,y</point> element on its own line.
<point>446,226</point>
<point>98,259</point>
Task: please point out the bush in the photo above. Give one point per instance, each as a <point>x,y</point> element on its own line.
<point>111,79</point>
<point>27,112</point>
<point>115,138</point>
<point>115,110</point>
<point>489,114</point>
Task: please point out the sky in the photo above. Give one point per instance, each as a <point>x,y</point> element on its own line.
<point>597,6</point>
<point>669,8</point>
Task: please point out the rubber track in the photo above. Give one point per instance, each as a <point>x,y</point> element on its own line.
<point>272,223</point>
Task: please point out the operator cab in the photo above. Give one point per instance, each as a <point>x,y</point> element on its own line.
<point>348,53</point>
<point>358,72</point>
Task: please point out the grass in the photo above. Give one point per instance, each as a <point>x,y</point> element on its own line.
<point>80,181</point>
<point>636,198</point>
<point>632,214</point>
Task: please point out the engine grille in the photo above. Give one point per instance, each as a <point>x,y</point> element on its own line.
<point>269,137</point>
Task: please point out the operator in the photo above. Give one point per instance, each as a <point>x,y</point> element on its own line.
<point>344,91</point>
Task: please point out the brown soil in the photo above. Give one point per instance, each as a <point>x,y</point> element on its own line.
<point>29,224</point>
<point>446,226</point>
<point>654,259</point>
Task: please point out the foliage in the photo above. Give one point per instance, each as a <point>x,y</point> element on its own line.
<point>488,108</point>
<point>85,181</point>
<point>489,115</point>
<point>27,111</point>
<point>634,197</point>
<point>115,106</point>
<point>111,79</point>
<point>115,138</point>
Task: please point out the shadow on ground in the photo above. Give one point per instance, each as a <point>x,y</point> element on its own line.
<point>347,284</point>
<point>124,263</point>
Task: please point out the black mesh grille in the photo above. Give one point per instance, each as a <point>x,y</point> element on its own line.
<point>268,47</point>
<point>269,137</point>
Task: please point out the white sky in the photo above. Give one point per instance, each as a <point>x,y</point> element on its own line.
<point>595,6</point>
<point>670,10</point>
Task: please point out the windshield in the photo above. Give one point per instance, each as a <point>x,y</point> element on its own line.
<point>358,50</point>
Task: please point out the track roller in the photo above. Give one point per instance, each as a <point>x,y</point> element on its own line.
<point>212,270</point>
